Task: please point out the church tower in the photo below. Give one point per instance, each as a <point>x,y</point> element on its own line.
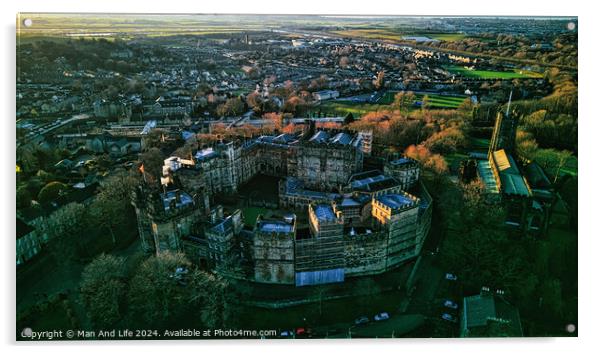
<point>504,132</point>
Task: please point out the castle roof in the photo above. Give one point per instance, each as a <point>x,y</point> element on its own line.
<point>396,201</point>
<point>278,226</point>
<point>324,212</point>
<point>171,197</point>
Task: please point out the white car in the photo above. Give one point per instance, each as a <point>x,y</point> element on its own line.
<point>448,317</point>
<point>381,316</point>
<point>450,304</point>
<point>450,276</point>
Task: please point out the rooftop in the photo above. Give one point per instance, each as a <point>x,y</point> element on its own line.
<point>320,137</point>
<point>294,186</point>
<point>348,202</point>
<point>363,175</point>
<point>402,161</point>
<point>205,154</point>
<point>478,309</point>
<point>536,176</point>
<point>483,309</point>
<point>170,197</point>
<point>396,201</point>
<point>150,125</point>
<point>486,174</point>
<point>510,177</point>
<point>341,138</point>
<point>324,212</point>
<point>376,183</point>
<point>279,226</point>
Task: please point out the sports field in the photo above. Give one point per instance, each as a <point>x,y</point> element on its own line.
<point>395,35</point>
<point>341,108</point>
<point>489,74</point>
<point>435,100</point>
<point>444,37</point>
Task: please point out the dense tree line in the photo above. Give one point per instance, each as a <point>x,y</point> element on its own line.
<point>164,290</point>
<point>539,276</point>
<point>82,54</point>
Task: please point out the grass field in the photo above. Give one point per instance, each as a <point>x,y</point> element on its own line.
<point>479,143</point>
<point>341,108</point>
<point>395,35</point>
<point>358,109</point>
<point>445,37</point>
<point>370,34</point>
<point>487,74</point>
<point>436,101</point>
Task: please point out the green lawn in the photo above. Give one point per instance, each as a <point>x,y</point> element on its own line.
<point>436,101</point>
<point>358,109</point>
<point>488,74</point>
<point>479,143</point>
<point>446,37</point>
<point>396,35</point>
<point>250,215</point>
<point>341,108</point>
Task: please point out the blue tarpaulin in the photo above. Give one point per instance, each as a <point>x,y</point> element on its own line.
<point>320,277</point>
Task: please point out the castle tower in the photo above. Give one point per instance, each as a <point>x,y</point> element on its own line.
<point>164,218</point>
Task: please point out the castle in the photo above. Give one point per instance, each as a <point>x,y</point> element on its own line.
<point>354,222</point>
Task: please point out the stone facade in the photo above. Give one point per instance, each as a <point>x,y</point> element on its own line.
<point>398,215</point>
<point>352,232</point>
<point>322,161</point>
<point>324,247</point>
<point>274,251</point>
<point>405,170</point>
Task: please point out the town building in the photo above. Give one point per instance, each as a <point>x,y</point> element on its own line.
<point>488,314</point>
<point>325,95</point>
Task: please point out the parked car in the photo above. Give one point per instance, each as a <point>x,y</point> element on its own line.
<point>286,334</point>
<point>450,276</point>
<point>450,304</point>
<point>448,317</point>
<point>362,320</point>
<point>300,331</point>
<point>383,316</point>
